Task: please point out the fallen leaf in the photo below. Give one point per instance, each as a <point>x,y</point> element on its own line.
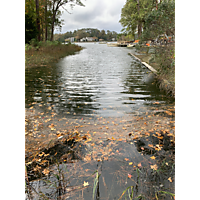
<point>45,171</point>
<point>129,175</point>
<point>126,159</point>
<point>155,167</point>
<point>169,113</point>
<point>169,179</point>
<point>139,165</point>
<point>130,163</point>
<point>85,184</point>
<point>153,157</point>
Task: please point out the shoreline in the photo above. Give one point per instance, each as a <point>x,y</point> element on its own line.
<point>163,83</point>
<point>42,56</point>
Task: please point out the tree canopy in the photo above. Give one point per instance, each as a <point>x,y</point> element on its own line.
<point>148,18</point>
<point>44,15</point>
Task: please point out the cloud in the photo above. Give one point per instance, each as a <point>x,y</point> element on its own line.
<point>100,14</point>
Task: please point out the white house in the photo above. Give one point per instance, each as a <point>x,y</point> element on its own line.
<point>88,39</point>
<point>83,40</point>
<point>71,39</point>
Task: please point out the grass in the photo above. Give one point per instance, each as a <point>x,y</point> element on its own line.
<point>43,53</point>
<point>163,60</point>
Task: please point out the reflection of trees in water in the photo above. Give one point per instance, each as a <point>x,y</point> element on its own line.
<point>44,85</point>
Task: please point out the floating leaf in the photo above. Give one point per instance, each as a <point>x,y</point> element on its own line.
<point>153,157</point>
<point>154,167</point>
<point>85,184</point>
<point>130,163</point>
<point>169,179</point>
<point>139,165</point>
<point>129,175</point>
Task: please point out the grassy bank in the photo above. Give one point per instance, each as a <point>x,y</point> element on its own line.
<point>161,58</point>
<point>42,53</point>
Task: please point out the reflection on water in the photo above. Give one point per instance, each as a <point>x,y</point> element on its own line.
<point>99,80</point>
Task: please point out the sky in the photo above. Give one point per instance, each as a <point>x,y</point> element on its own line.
<point>100,14</point>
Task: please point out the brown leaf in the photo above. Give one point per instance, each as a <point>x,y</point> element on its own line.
<point>155,167</point>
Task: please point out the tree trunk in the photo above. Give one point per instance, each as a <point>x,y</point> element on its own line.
<point>139,28</point>
<point>52,26</point>
<point>139,22</point>
<point>37,19</point>
<point>45,20</point>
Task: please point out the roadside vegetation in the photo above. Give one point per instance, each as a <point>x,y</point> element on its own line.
<point>41,53</point>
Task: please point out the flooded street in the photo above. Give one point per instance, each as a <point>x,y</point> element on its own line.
<point>112,126</point>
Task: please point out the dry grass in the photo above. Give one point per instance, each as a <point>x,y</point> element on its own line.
<point>162,62</point>
<point>40,56</point>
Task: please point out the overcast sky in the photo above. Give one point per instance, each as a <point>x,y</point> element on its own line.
<point>100,14</point>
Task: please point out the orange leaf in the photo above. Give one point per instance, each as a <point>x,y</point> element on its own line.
<point>139,165</point>
<point>129,175</point>
<point>169,179</point>
<point>126,159</point>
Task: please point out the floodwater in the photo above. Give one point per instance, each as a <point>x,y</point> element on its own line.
<point>98,81</point>
<point>103,90</point>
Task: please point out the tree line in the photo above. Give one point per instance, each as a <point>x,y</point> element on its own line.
<point>42,16</point>
<point>148,18</point>
<point>87,32</point>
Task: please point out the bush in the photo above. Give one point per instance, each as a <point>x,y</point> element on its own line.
<point>33,42</point>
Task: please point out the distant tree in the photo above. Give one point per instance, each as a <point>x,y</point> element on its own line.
<point>102,35</point>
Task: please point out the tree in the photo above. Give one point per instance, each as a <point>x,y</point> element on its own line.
<point>30,28</point>
<point>46,15</point>
<point>55,6</point>
<point>102,35</point>
<point>160,20</point>
<point>37,18</point>
<point>133,15</point>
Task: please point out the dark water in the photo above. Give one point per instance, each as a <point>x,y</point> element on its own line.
<point>106,82</point>
<point>99,80</point>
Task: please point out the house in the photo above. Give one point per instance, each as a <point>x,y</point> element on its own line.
<point>71,39</point>
<point>83,40</point>
<point>89,39</point>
